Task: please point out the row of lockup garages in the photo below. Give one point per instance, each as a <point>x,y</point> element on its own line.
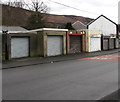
<point>46,42</point>
<point>53,42</point>
<point>109,42</point>
<point>101,34</point>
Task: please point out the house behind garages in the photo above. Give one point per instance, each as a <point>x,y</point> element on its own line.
<point>79,25</point>
<point>109,30</point>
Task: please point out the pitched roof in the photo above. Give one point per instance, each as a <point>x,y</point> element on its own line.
<point>79,25</point>
<point>98,18</point>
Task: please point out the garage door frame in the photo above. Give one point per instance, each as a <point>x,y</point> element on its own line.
<point>42,40</point>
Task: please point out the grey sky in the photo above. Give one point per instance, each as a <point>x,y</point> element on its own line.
<point>95,8</point>
<point>108,8</point>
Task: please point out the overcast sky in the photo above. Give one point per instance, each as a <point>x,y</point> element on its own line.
<point>95,8</point>
<point>91,8</point>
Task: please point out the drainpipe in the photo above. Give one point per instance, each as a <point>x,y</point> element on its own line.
<point>102,41</point>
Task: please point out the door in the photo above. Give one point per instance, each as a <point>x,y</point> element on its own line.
<point>105,44</point>
<point>116,43</point>
<point>112,43</point>
<point>54,45</point>
<point>95,44</point>
<point>19,47</point>
<point>75,44</point>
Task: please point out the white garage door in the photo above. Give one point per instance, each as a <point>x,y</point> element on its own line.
<point>19,47</point>
<point>54,45</point>
<point>117,43</point>
<point>95,44</point>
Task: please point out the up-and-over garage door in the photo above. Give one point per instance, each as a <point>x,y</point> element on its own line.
<point>105,44</point>
<point>112,43</point>
<point>54,45</point>
<point>95,44</point>
<point>75,44</point>
<point>19,47</point>
<point>116,43</point>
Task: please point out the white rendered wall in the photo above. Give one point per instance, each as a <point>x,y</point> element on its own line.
<point>104,25</point>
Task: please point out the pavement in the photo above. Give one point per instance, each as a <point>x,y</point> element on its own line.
<point>115,96</point>
<point>42,60</point>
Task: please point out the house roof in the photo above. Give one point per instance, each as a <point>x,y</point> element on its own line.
<point>78,22</point>
<point>13,28</point>
<point>79,25</point>
<point>98,18</point>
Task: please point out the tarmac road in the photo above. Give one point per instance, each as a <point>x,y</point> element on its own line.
<point>80,79</point>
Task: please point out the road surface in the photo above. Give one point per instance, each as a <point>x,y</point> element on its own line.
<point>81,79</point>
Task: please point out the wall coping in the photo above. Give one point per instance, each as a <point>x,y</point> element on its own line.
<point>37,30</point>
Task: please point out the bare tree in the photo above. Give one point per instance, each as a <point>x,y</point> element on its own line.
<point>37,6</point>
<point>16,3</point>
<point>37,19</point>
<point>34,5</point>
